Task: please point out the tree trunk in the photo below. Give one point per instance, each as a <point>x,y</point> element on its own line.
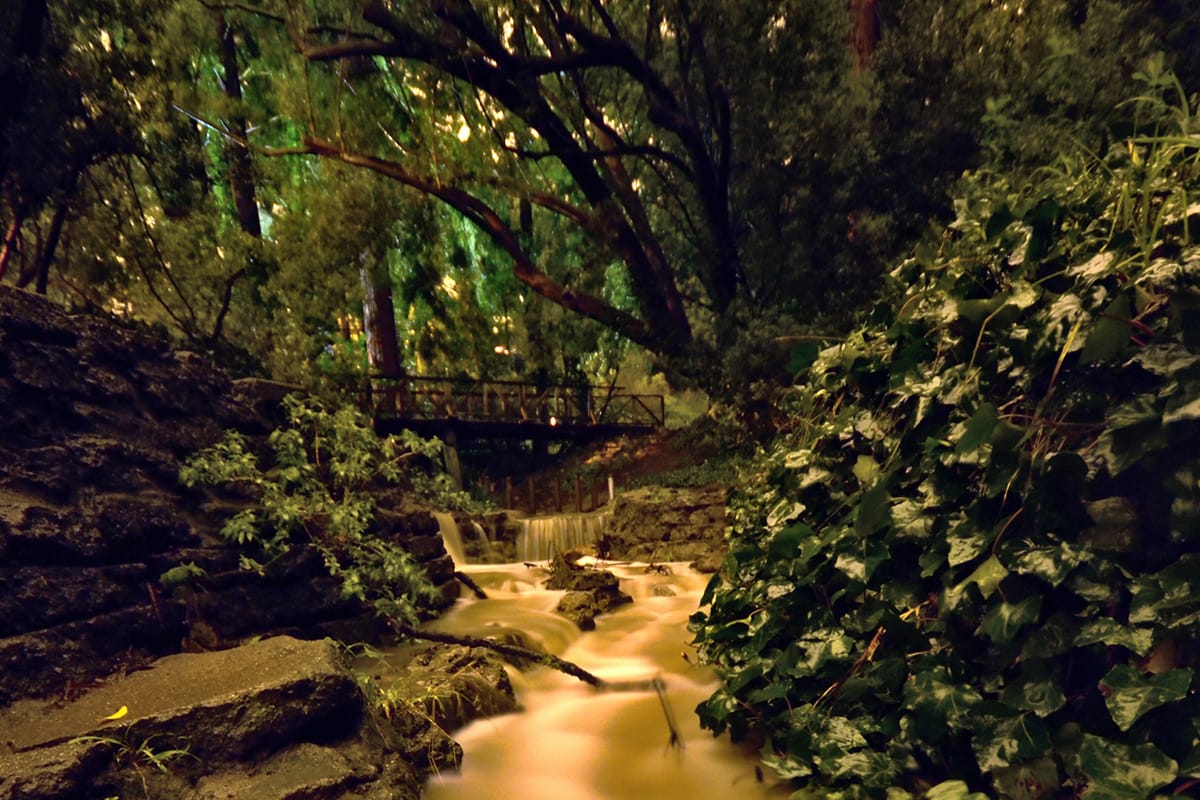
<point>40,269</point>
<point>241,169</point>
<point>383,342</point>
<point>11,240</point>
<point>864,31</point>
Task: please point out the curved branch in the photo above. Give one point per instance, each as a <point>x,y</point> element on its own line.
<point>486,218</point>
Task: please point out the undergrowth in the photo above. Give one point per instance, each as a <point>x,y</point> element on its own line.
<point>315,489</point>
<point>973,563</point>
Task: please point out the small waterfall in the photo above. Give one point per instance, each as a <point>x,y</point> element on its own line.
<point>541,538</point>
<point>451,538</point>
<point>485,544</point>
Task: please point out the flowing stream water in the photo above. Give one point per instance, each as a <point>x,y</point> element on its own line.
<point>571,741</point>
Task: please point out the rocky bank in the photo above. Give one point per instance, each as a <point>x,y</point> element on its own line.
<point>95,419</point>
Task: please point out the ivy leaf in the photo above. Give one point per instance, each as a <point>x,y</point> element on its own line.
<point>978,430</point>
<point>1110,334</point>
<point>1052,564</point>
<point>866,469</point>
<point>953,790</point>
<point>1109,631</point>
<point>987,576</point>
<point>1009,741</point>
<point>1036,690</point>
<point>874,511</point>
<point>1004,620</point>
<point>964,548</point>
<point>933,693</point>
<point>1118,772</point>
<point>786,543</point>
<point>1032,781</point>
<point>1130,693</point>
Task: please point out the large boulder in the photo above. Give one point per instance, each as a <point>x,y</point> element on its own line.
<point>657,524</point>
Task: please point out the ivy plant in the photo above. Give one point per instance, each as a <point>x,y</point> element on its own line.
<point>313,489</point>
<point>973,563</point>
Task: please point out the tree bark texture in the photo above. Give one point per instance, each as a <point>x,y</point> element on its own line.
<point>241,168</point>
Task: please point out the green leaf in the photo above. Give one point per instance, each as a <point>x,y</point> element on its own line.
<point>866,469</point>
<point>966,547</point>
<point>953,790</point>
<point>1036,690</point>
<point>1034,780</point>
<point>1004,620</point>
<point>1110,334</point>
<point>1052,564</point>
<point>786,543</point>
<point>1109,631</point>
<point>1130,693</point>
<point>1118,772</point>
<point>874,511</point>
<point>987,576</point>
<point>802,357</point>
<point>1011,740</point>
<point>978,430</point>
<point>935,694</point>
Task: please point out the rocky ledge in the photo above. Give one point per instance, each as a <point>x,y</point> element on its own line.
<point>656,524</point>
<point>97,419</point>
<point>277,719</point>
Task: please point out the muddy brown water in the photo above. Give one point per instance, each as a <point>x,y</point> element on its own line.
<point>571,741</point>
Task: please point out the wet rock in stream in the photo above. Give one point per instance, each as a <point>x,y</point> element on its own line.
<point>590,592</point>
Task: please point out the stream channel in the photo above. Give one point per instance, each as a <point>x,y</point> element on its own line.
<point>571,741</point>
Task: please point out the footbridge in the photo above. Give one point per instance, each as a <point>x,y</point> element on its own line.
<point>466,408</point>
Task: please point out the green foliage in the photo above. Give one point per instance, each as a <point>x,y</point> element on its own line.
<point>315,492</point>
<point>139,754</point>
<point>181,575</point>
<point>974,556</point>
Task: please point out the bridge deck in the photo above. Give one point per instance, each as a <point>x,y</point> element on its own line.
<point>510,409</point>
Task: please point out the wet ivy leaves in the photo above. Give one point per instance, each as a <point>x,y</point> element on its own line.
<point>1130,693</point>
<point>977,554</point>
<point>940,700</point>
<point>1118,772</point>
<point>1004,620</point>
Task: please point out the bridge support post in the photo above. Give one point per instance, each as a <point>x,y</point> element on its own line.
<point>453,465</point>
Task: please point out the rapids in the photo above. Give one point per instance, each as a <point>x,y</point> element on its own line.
<point>574,743</point>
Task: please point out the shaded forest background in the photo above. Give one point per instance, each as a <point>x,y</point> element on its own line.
<point>528,189</point>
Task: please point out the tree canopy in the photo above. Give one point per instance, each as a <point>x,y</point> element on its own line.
<point>674,172</point>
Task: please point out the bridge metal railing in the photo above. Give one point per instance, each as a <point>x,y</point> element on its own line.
<point>468,399</point>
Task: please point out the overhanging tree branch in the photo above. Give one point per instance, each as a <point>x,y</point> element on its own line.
<point>486,218</point>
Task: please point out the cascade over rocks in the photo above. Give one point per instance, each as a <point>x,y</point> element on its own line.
<point>96,420</point>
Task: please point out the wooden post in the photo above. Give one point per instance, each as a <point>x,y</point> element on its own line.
<point>508,492</point>
<point>578,495</point>
<point>532,499</point>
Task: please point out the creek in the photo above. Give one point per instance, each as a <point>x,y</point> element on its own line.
<point>571,741</point>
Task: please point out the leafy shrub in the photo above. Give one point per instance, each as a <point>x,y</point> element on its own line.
<point>315,492</point>
<point>976,555</point>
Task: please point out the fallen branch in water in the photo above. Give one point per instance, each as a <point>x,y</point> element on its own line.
<point>510,650</point>
<point>467,581</point>
<point>554,662</point>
